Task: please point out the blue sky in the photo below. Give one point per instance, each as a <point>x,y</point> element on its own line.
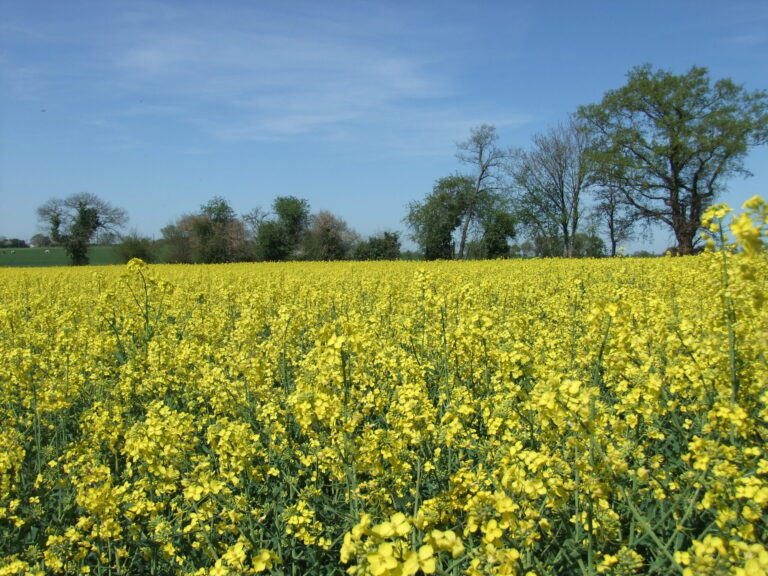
<point>157,107</point>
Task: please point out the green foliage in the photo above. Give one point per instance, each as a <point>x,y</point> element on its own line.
<point>588,245</point>
<point>12,243</point>
<point>40,240</point>
<point>669,142</point>
<point>281,237</point>
<point>461,203</point>
<point>488,162</point>
<point>383,246</point>
<point>135,246</point>
<point>177,241</point>
<point>218,211</point>
<point>271,242</point>
<point>293,216</point>
<point>434,220</point>
<point>498,228</point>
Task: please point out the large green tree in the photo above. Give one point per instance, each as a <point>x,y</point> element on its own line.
<point>669,142</point>
<point>74,221</point>
<point>498,227</point>
<point>445,212</point>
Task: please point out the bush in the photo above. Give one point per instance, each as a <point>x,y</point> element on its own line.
<point>135,246</point>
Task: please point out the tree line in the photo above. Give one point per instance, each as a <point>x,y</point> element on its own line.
<point>216,234</point>
<point>656,151</point>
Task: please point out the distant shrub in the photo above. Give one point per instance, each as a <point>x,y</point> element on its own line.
<point>135,246</point>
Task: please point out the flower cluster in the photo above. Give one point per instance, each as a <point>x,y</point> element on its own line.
<point>511,417</point>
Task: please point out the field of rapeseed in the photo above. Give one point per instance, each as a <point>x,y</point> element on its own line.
<point>512,417</point>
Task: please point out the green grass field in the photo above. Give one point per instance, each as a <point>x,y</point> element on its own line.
<point>54,256</point>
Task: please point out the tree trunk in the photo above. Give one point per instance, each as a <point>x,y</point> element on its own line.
<point>684,245</point>
<point>685,234</point>
<point>612,231</point>
<point>464,232</point>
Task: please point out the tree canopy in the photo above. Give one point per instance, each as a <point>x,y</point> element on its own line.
<point>213,235</point>
<point>381,246</point>
<point>463,202</point>
<point>433,220</point>
<point>280,237</point>
<point>669,142</point>
<point>328,238</point>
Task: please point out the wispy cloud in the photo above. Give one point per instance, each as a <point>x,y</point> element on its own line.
<point>258,72</point>
<point>272,79</point>
<point>752,40</point>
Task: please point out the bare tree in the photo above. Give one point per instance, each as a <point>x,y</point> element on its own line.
<point>488,161</point>
<point>253,220</point>
<point>618,218</point>
<point>551,179</point>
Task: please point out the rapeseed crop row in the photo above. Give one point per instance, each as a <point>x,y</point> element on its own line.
<point>514,417</point>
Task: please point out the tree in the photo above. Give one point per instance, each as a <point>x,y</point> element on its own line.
<point>433,221</point>
<point>213,235</point>
<point>280,237</point>
<point>271,242</point>
<point>464,202</point>
<point>447,209</point>
<point>178,239</point>
<point>219,233</point>
<point>498,228</point>
<point>488,161</point>
<point>669,142</point>
<point>293,216</point>
<point>135,246</point>
<point>12,243</point>
<point>551,179</point>
<point>253,220</point>
<point>383,246</point>
<point>328,238</point>
<point>588,245</point>
<point>618,217</point>
<point>40,240</point>
<point>106,238</point>
<point>73,222</point>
